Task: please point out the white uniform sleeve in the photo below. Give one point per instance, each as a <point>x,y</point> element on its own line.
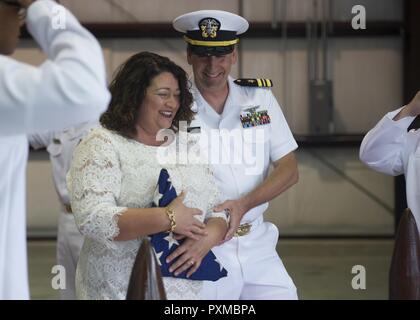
<point>213,196</point>
<point>282,141</point>
<point>40,140</point>
<point>69,88</point>
<point>94,183</point>
<point>383,146</point>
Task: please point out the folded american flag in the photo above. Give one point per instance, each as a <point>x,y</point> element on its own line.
<point>164,243</point>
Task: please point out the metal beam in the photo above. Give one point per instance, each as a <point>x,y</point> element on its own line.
<point>256,30</point>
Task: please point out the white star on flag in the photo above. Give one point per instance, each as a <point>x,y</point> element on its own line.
<point>221,268</point>
<point>157,195</point>
<point>171,240</point>
<point>158,255</point>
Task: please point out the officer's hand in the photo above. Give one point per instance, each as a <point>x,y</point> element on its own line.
<point>25,3</point>
<point>236,209</point>
<point>186,223</point>
<point>414,105</point>
<point>412,109</point>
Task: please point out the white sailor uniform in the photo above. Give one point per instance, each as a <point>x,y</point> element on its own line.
<point>255,270</point>
<point>390,149</point>
<point>60,146</point>
<point>69,88</point>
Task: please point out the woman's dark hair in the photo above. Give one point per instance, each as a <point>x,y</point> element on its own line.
<point>128,90</point>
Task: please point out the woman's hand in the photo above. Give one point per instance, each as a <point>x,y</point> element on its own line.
<point>186,223</point>
<point>191,253</point>
<point>189,256</point>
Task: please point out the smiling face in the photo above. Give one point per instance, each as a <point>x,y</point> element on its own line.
<point>211,72</point>
<point>160,104</point>
<point>9,28</point>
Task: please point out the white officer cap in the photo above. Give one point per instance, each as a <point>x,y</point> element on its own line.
<point>211,32</point>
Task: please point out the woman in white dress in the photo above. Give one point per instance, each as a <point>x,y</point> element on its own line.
<point>113,178</point>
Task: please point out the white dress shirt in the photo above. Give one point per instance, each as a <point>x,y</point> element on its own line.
<point>240,159</point>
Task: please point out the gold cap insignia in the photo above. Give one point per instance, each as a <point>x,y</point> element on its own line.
<point>209,27</point>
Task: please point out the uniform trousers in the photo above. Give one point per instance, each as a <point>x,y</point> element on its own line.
<point>69,244</point>
<point>255,271</point>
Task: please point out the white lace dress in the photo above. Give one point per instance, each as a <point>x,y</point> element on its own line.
<point>109,174</point>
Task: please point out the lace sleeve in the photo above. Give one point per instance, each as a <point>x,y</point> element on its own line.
<point>222,215</point>
<point>94,181</point>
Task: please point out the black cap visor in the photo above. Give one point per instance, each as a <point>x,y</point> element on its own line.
<point>205,51</point>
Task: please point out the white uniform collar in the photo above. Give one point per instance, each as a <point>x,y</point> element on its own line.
<point>208,114</point>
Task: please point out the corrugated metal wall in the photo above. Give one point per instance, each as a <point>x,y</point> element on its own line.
<point>367,82</point>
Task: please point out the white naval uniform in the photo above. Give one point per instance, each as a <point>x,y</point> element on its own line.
<point>390,149</point>
<point>69,88</point>
<point>60,146</point>
<point>255,270</point>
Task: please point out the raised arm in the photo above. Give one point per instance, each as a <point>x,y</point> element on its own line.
<point>383,146</point>
<point>69,88</point>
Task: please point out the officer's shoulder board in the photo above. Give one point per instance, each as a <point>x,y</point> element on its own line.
<point>259,82</point>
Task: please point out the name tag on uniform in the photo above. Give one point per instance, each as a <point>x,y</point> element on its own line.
<point>252,117</point>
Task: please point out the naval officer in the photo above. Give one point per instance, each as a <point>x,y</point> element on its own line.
<point>252,134</point>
